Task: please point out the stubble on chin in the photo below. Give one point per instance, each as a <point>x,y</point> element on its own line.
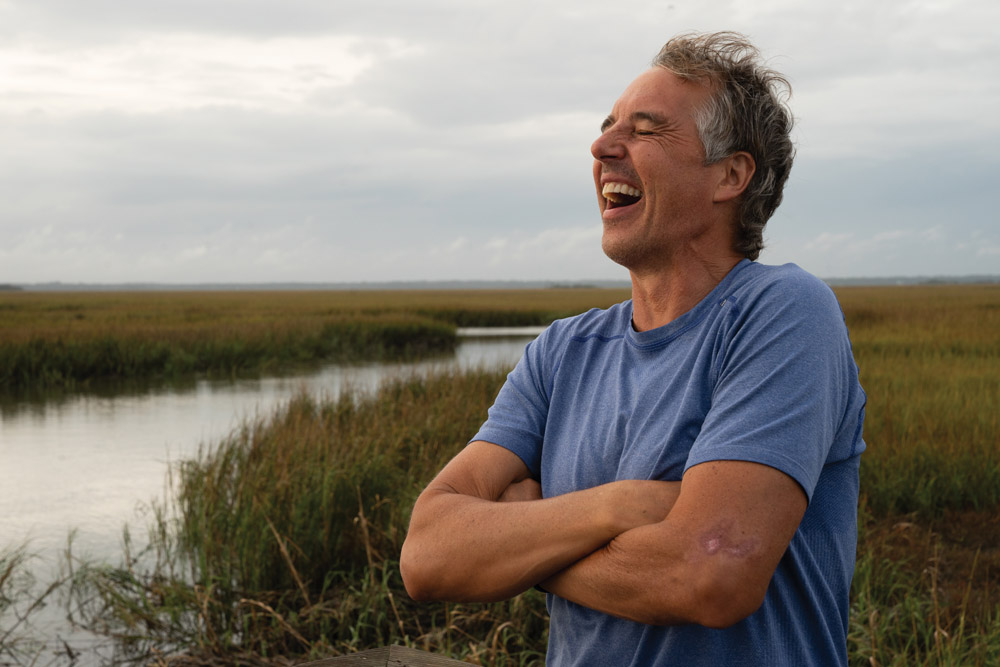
<point>625,252</point>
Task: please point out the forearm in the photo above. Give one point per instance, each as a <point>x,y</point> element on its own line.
<point>641,575</point>
<point>463,548</point>
<point>709,562</point>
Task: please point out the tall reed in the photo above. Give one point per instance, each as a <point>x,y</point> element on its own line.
<point>21,599</point>
<point>284,537</point>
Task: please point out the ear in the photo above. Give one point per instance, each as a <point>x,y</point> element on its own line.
<point>738,169</point>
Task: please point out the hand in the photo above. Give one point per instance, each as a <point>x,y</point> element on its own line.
<point>526,489</point>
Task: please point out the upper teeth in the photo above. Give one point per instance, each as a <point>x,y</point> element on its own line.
<point>622,188</point>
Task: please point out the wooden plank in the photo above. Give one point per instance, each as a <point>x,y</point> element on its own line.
<point>392,656</point>
<point>401,656</point>
<point>377,657</point>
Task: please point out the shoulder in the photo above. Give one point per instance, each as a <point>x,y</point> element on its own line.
<point>546,352</point>
<point>597,322</point>
<point>561,338</point>
<point>783,290</point>
<point>769,281</point>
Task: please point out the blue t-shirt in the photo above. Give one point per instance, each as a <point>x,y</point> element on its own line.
<point>760,370</point>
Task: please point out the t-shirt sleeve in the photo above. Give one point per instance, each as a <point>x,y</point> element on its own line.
<point>783,383</point>
<point>516,420</point>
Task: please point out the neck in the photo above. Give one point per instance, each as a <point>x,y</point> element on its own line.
<point>660,297</point>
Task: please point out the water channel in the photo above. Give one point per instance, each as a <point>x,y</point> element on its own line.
<point>91,462</point>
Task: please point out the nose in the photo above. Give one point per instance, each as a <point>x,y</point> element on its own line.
<point>608,146</point>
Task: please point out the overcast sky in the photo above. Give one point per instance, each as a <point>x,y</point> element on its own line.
<point>190,141</point>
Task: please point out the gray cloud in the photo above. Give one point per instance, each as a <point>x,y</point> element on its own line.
<point>258,140</point>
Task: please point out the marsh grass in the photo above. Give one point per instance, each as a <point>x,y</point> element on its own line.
<point>20,601</point>
<point>71,339</point>
<point>281,541</point>
<point>226,348</point>
<point>927,584</point>
<point>924,594</point>
<point>930,364</point>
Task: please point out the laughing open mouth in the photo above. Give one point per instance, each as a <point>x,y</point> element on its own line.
<point>620,194</point>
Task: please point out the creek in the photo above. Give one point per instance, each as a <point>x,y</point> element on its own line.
<point>91,462</point>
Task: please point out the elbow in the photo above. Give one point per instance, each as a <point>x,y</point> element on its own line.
<point>711,604</point>
<point>720,618</point>
<point>724,604</point>
<point>417,580</point>
<point>429,577</point>
<point>417,591</point>
<point>414,586</point>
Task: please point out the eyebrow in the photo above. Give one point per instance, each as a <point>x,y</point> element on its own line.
<point>653,118</point>
<point>649,116</point>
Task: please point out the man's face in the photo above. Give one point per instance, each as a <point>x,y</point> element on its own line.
<point>654,190</point>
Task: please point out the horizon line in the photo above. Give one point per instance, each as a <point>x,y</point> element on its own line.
<point>279,285</point>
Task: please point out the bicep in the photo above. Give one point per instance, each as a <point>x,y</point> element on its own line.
<point>753,498</point>
<point>737,519</point>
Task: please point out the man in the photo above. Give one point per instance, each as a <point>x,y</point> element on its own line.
<point>680,471</point>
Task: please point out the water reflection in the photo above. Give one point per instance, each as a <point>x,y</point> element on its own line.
<point>88,462</point>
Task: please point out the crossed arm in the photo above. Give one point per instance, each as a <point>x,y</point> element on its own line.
<point>702,550</point>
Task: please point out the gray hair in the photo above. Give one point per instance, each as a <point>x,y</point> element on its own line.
<point>747,111</point>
